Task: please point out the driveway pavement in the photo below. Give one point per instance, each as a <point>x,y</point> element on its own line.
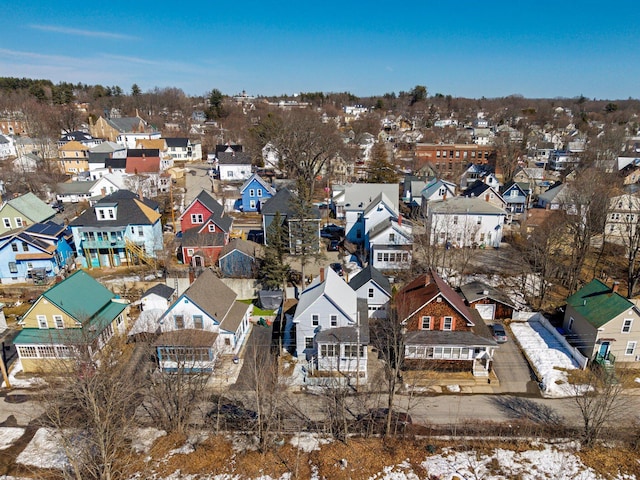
<point>512,369</point>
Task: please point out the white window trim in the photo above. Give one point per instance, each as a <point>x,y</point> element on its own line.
<point>55,321</point>
<point>624,323</point>
<point>422,320</point>
<point>46,323</point>
<point>444,324</point>
<point>633,350</point>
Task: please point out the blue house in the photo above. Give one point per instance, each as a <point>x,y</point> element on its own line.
<point>516,195</point>
<point>255,192</point>
<point>37,253</point>
<point>238,258</point>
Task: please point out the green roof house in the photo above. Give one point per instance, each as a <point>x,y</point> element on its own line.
<point>603,325</point>
<point>22,211</point>
<point>78,312</point>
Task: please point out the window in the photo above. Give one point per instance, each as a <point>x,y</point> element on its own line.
<point>447,324</point>
<point>212,227</point>
<point>252,192</point>
<point>59,322</point>
<point>28,352</point>
<point>42,321</point>
<point>140,232</point>
<point>379,257</point>
<point>371,293</point>
<point>198,323</point>
<point>101,214</point>
<point>259,192</point>
<point>479,221</point>
<point>13,267</point>
<point>197,218</point>
<point>392,237</point>
<point>626,326</point>
<point>6,222</point>
<point>14,247</point>
<point>308,342</point>
<point>426,323</point>
<point>328,351</point>
<point>350,350</point>
<point>314,320</point>
<point>455,220</point>
<point>179,319</point>
<point>18,221</point>
<point>334,320</point>
<point>25,247</point>
<point>631,348</point>
<point>570,325</point>
<point>252,204</point>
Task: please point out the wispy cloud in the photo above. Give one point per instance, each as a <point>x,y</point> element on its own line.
<point>83,33</point>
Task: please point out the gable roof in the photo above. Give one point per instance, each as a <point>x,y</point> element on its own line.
<point>598,303</point>
<point>477,290</point>
<point>72,146</point>
<point>433,186</point>
<point>193,237</point>
<point>211,294</point>
<point>160,289</point>
<point>360,195</point>
<point>383,225</point>
<point>151,143</point>
<point>78,187</point>
<point>422,290</point>
<point>260,180</point>
<point>209,203</point>
<point>555,194</point>
<point>107,147</point>
<point>142,165</point>
<point>224,222</point>
<point>32,207</point>
<point>381,198</point>
<point>373,274</point>
<point>280,202</point>
<point>335,289</point>
<point>127,124</point>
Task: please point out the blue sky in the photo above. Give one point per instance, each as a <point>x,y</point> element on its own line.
<point>462,48</point>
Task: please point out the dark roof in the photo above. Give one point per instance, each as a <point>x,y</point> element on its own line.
<point>598,303</point>
<point>161,290</point>
<point>282,202</point>
<point>49,228</point>
<point>222,148</point>
<point>270,299</point>
<point>234,317</point>
<point>194,238</point>
<point>423,290</point>
<point>224,221</point>
<point>234,158</point>
<point>119,163</point>
<point>77,136</point>
<point>477,290</point>
<point>476,189</point>
<point>177,142</point>
<point>370,273</point>
<point>143,152</point>
<point>129,211</point>
<point>208,201</point>
<point>441,337</point>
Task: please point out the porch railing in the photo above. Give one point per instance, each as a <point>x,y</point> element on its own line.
<point>606,359</point>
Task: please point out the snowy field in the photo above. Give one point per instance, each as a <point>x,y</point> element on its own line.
<point>541,462</point>
<point>547,355</point>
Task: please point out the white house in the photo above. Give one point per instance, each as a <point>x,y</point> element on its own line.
<point>7,147</point>
<point>355,197</point>
<point>389,245</point>
<point>332,326</point>
<point>160,296</point>
<point>27,163</point>
<point>622,218</point>
<point>234,166</point>
<point>370,285</point>
<point>131,139</point>
<point>184,149</point>
<point>204,322</point>
<point>74,192</point>
<point>466,222</point>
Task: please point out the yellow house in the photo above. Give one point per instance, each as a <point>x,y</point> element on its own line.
<point>74,157</point>
<point>73,318</point>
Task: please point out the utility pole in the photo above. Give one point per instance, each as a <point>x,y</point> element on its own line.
<point>357,351</point>
<point>4,369</point>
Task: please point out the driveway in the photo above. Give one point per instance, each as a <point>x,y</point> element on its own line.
<point>512,369</point>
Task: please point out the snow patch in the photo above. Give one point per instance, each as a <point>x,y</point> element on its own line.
<point>10,435</point>
<point>44,451</point>
<point>453,388</point>
<point>308,442</point>
<point>143,439</point>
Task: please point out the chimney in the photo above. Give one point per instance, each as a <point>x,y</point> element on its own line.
<point>400,220</point>
<point>321,275</point>
<point>615,286</point>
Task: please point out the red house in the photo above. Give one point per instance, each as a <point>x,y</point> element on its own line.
<point>205,230</point>
<point>441,330</point>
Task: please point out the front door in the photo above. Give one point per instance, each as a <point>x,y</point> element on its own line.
<point>604,349</point>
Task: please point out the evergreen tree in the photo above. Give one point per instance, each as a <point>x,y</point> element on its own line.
<point>304,227</point>
<point>273,269</point>
<point>380,169</point>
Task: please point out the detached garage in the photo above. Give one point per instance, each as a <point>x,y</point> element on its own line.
<point>490,302</point>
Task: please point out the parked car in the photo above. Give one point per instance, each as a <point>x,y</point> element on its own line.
<point>498,332</point>
<point>337,267</point>
<point>334,245</point>
<point>332,231</point>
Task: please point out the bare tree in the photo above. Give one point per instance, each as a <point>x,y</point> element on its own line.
<point>623,227</point>
<point>90,407</point>
<point>599,396</point>
<point>173,396</point>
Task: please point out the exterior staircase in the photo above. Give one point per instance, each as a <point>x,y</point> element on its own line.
<point>137,255</point>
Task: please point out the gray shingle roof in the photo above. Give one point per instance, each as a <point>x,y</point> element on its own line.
<point>129,212</point>
<point>160,289</point>
<point>234,158</point>
<point>440,337</point>
<point>211,295</point>
<point>370,273</point>
<point>466,206</point>
<point>477,290</point>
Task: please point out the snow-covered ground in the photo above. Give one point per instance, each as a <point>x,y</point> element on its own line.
<point>541,462</point>
<point>9,435</point>
<point>548,356</point>
<point>15,369</point>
